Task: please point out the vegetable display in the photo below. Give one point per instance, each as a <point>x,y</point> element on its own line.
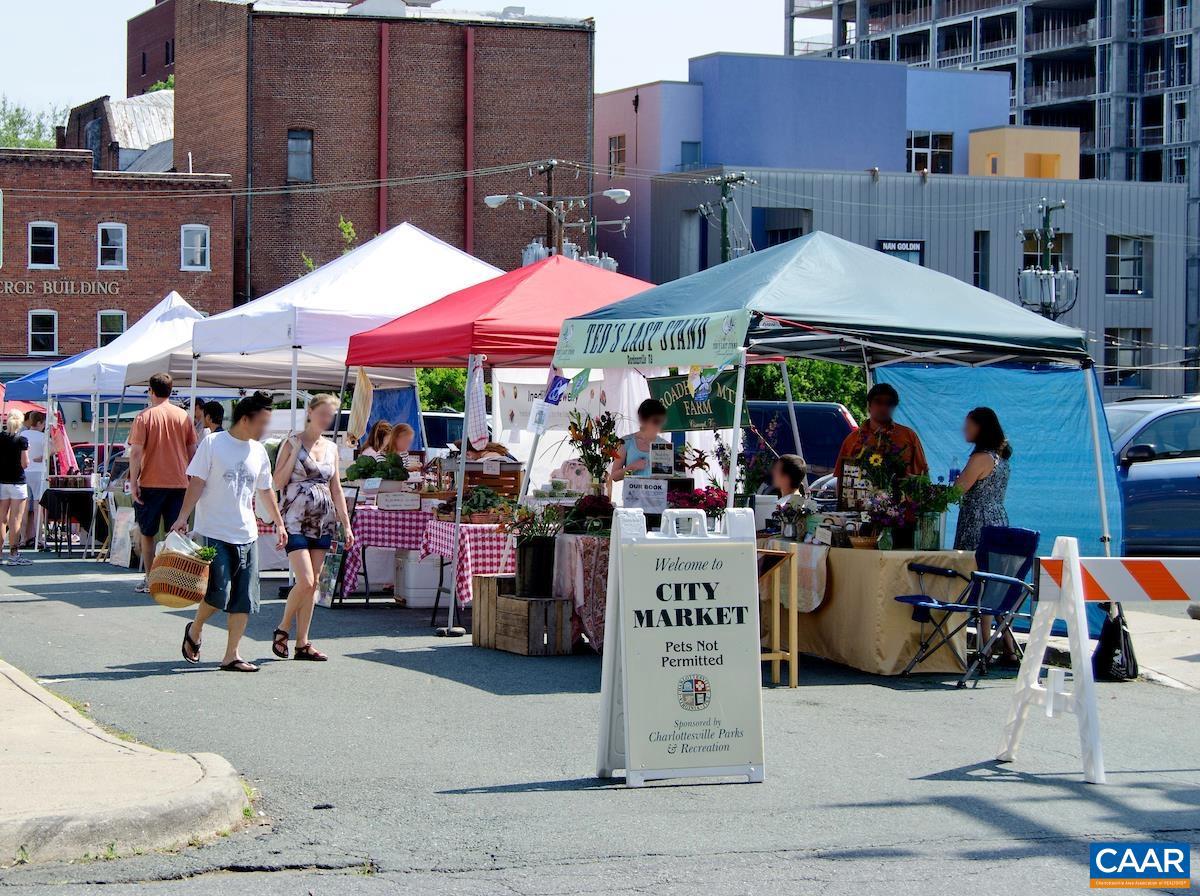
<point>389,467</point>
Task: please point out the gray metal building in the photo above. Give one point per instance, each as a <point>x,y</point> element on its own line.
<point>1127,240</point>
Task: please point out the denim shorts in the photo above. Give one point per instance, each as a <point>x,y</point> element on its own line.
<point>159,507</point>
<point>232,576</point>
<point>297,542</point>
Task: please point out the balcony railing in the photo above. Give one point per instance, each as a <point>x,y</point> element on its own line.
<point>1177,132</point>
<point>954,58</point>
<point>1065,36</point>
<point>918,60</point>
<point>812,47</point>
<point>997,49</point>
<point>922,15</point>
<point>1152,135</point>
<point>951,8</point>
<point>1181,19</point>
<point>1060,90</point>
<point>1155,79</point>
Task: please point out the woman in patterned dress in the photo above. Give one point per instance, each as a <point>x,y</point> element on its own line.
<point>313,505</point>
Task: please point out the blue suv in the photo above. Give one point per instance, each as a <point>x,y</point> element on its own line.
<point>1157,444</point>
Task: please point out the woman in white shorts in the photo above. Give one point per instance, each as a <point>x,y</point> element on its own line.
<point>14,458</point>
<point>34,434</point>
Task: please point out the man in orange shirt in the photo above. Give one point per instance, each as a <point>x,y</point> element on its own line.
<point>882,402</point>
<point>161,444</point>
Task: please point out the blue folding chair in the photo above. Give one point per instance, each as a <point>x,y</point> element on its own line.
<point>998,588</point>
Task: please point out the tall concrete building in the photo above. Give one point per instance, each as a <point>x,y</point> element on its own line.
<point>1121,71</point>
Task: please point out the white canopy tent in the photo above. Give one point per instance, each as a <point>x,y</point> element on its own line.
<point>296,337</point>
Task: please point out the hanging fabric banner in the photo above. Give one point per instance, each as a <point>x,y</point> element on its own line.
<point>702,339</point>
<point>686,412</point>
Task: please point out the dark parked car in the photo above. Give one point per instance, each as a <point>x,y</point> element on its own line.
<point>1157,444</point>
<point>823,427</point>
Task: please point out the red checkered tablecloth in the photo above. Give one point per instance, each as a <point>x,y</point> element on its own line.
<point>483,551</point>
<point>375,528</point>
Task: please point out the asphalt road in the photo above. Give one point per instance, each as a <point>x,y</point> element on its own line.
<point>409,764</point>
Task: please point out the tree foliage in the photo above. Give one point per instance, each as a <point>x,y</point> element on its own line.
<point>349,240</point>
<point>811,381</point>
<point>441,387</point>
<point>168,84</point>
<point>21,126</point>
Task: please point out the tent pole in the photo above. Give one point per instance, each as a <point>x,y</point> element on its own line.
<point>108,448</point>
<point>295,375</point>
<point>420,413</point>
<point>787,392</point>
<point>735,440</point>
<point>191,408</point>
<point>537,437</point>
<point>337,420</point>
<point>1094,417</point>
<point>451,630</point>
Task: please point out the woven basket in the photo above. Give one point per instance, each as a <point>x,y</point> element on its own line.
<point>177,580</point>
<point>864,542</point>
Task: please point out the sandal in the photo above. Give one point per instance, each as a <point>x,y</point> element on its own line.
<point>188,642</point>
<point>310,653</point>
<point>239,666</point>
<point>279,644</point>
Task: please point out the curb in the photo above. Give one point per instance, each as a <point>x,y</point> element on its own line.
<point>211,805</point>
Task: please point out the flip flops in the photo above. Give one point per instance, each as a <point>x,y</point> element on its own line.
<point>239,666</point>
<point>188,642</point>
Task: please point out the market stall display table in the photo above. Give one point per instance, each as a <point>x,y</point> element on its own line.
<point>394,530</point>
<point>858,623</point>
<point>482,550</point>
<point>66,505</point>
<point>581,576</point>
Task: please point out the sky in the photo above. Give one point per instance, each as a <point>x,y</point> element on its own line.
<point>65,52</point>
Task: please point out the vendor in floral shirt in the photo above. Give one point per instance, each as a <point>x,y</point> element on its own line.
<point>898,443</point>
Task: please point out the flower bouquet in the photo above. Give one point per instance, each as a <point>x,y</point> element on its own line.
<point>596,441</point>
<point>591,515</point>
<point>881,461</point>
<point>925,502</point>
<point>791,518</point>
<point>710,499</point>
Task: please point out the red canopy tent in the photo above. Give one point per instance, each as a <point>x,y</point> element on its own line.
<point>513,319</point>
<point>509,321</point>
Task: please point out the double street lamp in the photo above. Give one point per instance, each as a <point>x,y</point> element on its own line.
<point>556,207</point>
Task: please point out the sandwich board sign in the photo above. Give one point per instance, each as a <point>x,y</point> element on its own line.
<point>681,681</point>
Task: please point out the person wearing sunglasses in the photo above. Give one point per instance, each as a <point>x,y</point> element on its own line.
<point>880,429</point>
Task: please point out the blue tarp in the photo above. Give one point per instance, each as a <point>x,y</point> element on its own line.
<point>1044,412</point>
<point>398,406</point>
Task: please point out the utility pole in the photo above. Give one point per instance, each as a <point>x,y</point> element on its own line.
<point>727,183</point>
<point>553,228</point>
<point>1045,234</point>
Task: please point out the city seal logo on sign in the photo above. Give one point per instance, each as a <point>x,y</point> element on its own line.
<point>694,693</point>
<point>1141,865</point>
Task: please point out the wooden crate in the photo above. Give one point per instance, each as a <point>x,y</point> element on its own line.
<point>529,626</point>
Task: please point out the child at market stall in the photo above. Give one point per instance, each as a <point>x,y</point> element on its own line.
<point>399,440</point>
<point>634,456</point>
<point>789,477</point>
<point>377,439</point>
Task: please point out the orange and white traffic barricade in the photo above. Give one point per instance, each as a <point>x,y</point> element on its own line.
<point>1066,583</point>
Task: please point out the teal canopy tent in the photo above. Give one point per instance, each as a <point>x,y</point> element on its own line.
<point>826,298</point>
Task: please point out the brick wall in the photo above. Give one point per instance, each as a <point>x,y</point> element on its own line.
<point>149,33</point>
<point>74,134</point>
<point>60,187</point>
<point>533,94</point>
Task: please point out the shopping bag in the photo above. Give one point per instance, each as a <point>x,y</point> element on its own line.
<point>179,575</point>
<point>1113,659</point>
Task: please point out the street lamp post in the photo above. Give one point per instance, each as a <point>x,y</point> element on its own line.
<point>556,208</point>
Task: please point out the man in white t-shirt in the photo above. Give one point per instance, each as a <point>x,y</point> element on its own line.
<point>228,470</point>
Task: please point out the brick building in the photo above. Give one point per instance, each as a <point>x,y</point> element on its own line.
<point>84,252</point>
<point>150,47</point>
<point>132,134</point>
<point>341,94</point>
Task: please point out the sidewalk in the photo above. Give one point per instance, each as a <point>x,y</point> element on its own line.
<point>1167,646</point>
<point>71,789</point>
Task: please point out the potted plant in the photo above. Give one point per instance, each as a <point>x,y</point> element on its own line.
<point>483,505</point>
<point>790,518</point>
<point>596,440</point>
<point>925,503</point>
<point>534,530</point>
<point>590,515</point>
<point>883,516</point>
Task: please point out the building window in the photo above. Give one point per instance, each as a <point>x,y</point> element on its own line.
<point>1033,254</point>
<point>109,325</point>
<point>110,243</point>
<point>143,62</point>
<point>169,54</point>
<point>689,155</point>
<point>616,155</point>
<point>43,245</point>
<point>194,248</point>
<point>1124,352</point>
<point>300,157</point>
<point>982,259</point>
<point>930,151</point>
<point>1124,266</point>
<point>43,332</point>
<point>993,163</point>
